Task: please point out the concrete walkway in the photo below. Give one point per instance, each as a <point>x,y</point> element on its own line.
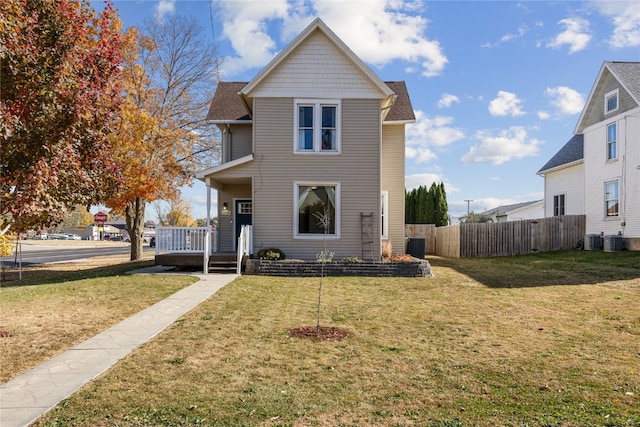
<point>30,395</point>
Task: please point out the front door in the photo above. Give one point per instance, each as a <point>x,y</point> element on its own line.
<point>244,215</point>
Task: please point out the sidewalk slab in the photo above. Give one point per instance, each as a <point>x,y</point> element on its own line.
<point>30,395</point>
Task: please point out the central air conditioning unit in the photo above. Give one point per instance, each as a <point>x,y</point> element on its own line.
<point>593,242</point>
<point>613,243</point>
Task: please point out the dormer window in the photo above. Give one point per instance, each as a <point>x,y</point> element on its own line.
<point>611,101</point>
<point>317,126</point>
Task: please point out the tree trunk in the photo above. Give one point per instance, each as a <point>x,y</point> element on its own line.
<point>135,225</point>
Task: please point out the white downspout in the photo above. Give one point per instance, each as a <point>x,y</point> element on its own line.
<point>207,234</point>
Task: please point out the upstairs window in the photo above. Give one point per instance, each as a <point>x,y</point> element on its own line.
<point>558,205</point>
<point>611,101</point>
<point>317,126</point>
<point>612,138</point>
<point>611,199</point>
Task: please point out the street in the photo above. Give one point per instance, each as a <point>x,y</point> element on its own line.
<point>44,252</point>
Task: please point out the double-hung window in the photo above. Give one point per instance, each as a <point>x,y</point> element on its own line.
<point>612,138</point>
<point>611,199</point>
<point>316,210</point>
<point>611,101</point>
<point>558,205</point>
<point>317,126</point>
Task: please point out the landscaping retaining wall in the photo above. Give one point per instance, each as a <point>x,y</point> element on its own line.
<point>419,268</point>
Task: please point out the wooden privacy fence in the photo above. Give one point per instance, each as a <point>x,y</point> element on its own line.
<point>508,238</point>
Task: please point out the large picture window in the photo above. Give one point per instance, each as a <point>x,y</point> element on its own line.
<point>317,126</point>
<point>611,199</point>
<point>612,137</point>
<point>313,202</point>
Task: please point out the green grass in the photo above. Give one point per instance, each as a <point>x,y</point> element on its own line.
<point>53,310</point>
<point>544,340</point>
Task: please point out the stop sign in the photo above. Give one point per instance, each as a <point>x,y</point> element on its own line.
<point>100,217</point>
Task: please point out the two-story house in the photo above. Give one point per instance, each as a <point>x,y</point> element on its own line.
<point>316,132</point>
<point>597,172</point>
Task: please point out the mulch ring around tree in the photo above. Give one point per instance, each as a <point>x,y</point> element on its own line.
<point>326,333</point>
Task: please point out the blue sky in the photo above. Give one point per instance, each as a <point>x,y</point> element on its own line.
<point>497,86</point>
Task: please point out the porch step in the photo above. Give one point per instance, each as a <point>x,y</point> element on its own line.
<point>223,263</point>
<point>222,266</point>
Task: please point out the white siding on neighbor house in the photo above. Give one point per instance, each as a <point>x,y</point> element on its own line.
<point>357,169</point>
<point>317,69</point>
<point>533,211</point>
<point>598,171</point>
<point>393,158</point>
<point>570,182</point>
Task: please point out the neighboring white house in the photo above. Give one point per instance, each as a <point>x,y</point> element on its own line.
<point>597,172</point>
<point>515,212</point>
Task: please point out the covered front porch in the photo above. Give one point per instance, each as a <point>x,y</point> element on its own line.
<point>196,247</point>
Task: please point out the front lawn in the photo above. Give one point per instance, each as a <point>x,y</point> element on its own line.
<point>545,340</point>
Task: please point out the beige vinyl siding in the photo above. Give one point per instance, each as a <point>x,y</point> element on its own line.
<point>595,109</point>
<point>393,182</point>
<point>226,227</point>
<point>317,68</point>
<point>278,168</point>
<point>241,142</point>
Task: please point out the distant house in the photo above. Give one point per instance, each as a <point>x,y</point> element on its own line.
<point>315,131</point>
<point>597,172</point>
<point>515,212</point>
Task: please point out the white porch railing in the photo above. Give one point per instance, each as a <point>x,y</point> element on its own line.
<point>184,240</point>
<point>245,244</point>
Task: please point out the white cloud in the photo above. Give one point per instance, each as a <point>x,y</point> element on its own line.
<point>165,7</point>
<point>544,115</point>
<point>419,155</point>
<point>378,31</point>
<point>509,144</point>
<point>626,21</point>
<point>446,100</point>
<point>576,35</point>
<point>418,179</point>
<point>432,132</point>
<point>522,30</point>
<point>565,99</point>
<point>506,104</point>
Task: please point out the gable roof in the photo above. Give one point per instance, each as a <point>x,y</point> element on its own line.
<point>317,25</point>
<point>502,210</point>
<point>571,152</point>
<point>626,73</point>
<point>227,106</point>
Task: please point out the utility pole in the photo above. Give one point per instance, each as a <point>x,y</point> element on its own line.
<point>468,201</point>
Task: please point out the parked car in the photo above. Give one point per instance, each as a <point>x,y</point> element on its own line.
<point>73,236</point>
<point>116,238</point>
<point>57,236</point>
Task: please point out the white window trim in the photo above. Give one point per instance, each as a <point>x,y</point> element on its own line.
<point>608,95</point>
<point>606,213</point>
<point>564,205</point>
<point>317,125</point>
<point>297,235</point>
<point>385,214</point>
<point>610,159</point>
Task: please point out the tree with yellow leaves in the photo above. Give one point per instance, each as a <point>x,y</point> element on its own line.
<point>162,136</point>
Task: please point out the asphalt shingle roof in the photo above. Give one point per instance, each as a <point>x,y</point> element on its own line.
<point>507,208</point>
<point>572,151</point>
<point>629,75</point>
<point>227,105</point>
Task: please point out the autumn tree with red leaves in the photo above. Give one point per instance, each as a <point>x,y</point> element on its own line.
<point>162,136</point>
<point>59,97</point>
